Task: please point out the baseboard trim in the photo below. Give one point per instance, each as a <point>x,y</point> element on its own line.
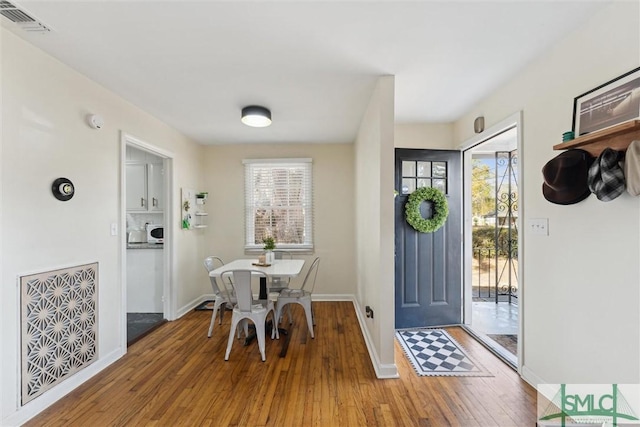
<point>39,404</point>
<point>333,297</point>
<point>193,304</point>
<point>531,377</point>
<point>383,370</point>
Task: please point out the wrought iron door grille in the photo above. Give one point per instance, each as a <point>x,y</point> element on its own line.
<point>497,273</point>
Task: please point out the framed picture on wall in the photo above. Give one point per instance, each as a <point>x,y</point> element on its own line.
<point>609,104</point>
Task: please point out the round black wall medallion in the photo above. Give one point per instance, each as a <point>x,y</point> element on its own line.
<point>62,189</point>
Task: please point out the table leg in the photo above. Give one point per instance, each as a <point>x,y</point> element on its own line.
<point>252,332</point>
<point>263,288</point>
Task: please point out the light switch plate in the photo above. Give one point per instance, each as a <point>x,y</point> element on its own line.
<point>114,229</point>
<point>539,226</point>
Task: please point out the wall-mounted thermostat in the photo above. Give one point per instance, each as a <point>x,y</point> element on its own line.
<point>62,189</point>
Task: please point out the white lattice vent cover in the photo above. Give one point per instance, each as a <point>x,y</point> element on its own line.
<point>59,326</point>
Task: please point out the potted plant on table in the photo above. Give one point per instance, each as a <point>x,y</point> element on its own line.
<point>269,246</point>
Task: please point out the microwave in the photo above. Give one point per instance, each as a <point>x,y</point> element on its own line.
<point>155,233</point>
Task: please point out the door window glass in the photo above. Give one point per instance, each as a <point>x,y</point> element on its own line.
<point>408,185</point>
<point>440,169</point>
<point>424,169</point>
<point>408,168</point>
<point>416,174</point>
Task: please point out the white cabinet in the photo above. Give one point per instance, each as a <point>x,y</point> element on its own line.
<point>155,175</point>
<point>145,183</point>
<point>145,280</point>
<point>136,187</point>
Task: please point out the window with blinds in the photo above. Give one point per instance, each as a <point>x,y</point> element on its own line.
<point>278,203</point>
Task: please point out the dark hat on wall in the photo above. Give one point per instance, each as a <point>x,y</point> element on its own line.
<point>632,168</point>
<point>565,177</point>
<point>606,178</point>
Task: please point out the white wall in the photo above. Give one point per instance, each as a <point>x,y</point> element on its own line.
<point>433,136</point>
<point>374,172</point>
<point>333,186</point>
<point>45,137</point>
<point>582,282</point>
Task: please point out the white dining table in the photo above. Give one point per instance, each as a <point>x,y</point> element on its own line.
<point>278,268</point>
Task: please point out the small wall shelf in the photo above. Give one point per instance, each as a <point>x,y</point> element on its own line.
<point>616,137</point>
<point>201,216</point>
<point>193,209</point>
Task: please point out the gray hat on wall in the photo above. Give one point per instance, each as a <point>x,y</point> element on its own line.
<point>606,178</point>
<point>632,168</point>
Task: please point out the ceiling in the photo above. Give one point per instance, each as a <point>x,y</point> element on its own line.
<point>194,65</point>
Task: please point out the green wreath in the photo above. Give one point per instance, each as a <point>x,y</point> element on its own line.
<point>440,209</point>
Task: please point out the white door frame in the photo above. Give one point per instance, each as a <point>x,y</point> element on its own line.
<point>168,248</point>
<point>509,122</point>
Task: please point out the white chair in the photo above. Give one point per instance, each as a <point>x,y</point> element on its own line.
<point>279,283</point>
<point>300,296</point>
<point>224,294</point>
<point>249,309</point>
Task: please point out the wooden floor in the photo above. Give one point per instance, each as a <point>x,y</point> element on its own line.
<point>176,376</point>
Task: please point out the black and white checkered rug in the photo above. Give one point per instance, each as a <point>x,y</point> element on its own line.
<point>433,352</point>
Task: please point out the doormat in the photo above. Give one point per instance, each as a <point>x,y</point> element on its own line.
<point>433,352</point>
<point>509,342</point>
<point>207,305</point>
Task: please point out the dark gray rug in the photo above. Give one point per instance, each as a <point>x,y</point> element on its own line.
<point>509,342</point>
<point>207,305</point>
<point>140,324</point>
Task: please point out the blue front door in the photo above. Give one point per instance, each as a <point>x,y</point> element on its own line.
<point>428,266</point>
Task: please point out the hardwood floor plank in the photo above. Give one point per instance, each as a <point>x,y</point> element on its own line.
<point>177,376</point>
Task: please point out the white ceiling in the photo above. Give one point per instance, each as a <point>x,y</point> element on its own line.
<point>194,65</point>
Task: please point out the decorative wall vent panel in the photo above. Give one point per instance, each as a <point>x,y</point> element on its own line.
<point>59,326</point>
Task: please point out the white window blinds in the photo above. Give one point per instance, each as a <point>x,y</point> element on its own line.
<point>279,203</point>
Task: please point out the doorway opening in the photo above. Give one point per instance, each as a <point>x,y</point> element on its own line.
<point>146,183</point>
<point>493,274</point>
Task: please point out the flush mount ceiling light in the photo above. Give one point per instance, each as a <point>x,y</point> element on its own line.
<point>256,116</point>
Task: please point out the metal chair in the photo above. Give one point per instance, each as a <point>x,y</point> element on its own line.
<point>224,294</point>
<point>276,284</point>
<point>248,309</point>
<point>300,296</point>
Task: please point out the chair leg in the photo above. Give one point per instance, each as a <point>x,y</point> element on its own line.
<point>234,325</point>
<point>274,330</point>
<point>245,325</point>
<point>213,318</point>
<point>239,328</point>
<point>221,312</point>
<point>279,307</point>
<point>307,311</point>
<point>260,334</point>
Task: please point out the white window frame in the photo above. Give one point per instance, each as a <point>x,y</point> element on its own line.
<point>250,166</point>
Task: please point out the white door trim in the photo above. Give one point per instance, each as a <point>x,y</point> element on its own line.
<point>169,247</point>
<point>509,122</point>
